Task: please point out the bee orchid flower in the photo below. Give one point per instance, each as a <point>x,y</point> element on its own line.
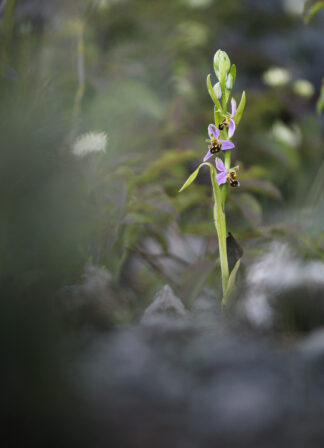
<point>225,174</point>
<point>215,144</point>
<point>229,122</point>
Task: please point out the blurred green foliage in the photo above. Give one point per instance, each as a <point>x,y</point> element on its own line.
<point>136,70</point>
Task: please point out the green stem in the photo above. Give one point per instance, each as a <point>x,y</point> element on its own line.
<point>220,224</point>
<point>223,99</point>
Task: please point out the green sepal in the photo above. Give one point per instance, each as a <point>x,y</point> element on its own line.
<point>222,64</point>
<point>218,115</point>
<point>233,73</point>
<point>230,81</point>
<point>193,176</point>
<point>239,111</point>
<point>212,93</point>
<point>231,283</point>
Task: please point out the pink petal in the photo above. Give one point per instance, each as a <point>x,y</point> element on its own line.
<point>220,165</point>
<point>213,132</point>
<point>221,178</point>
<point>233,103</point>
<point>226,144</point>
<point>208,155</point>
<point>231,128</point>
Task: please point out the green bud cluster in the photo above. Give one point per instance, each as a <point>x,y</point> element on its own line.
<point>220,92</point>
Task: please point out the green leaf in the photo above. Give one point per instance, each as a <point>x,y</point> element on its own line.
<point>194,197</point>
<point>202,228</point>
<point>138,218</point>
<point>193,176</point>
<point>168,159</point>
<point>231,283</point>
<point>212,93</point>
<point>240,109</point>
<point>262,186</point>
<point>254,172</point>
<point>311,7</point>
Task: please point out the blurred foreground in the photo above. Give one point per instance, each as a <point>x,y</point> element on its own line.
<point>179,378</point>
<point>103,114</point>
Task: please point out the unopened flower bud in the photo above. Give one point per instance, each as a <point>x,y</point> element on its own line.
<point>218,90</point>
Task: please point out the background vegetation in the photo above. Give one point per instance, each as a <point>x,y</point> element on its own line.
<point>136,70</point>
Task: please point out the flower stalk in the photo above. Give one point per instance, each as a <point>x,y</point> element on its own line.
<point>220,225</point>
<point>222,174</point>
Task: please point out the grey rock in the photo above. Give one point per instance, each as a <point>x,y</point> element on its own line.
<point>165,303</point>
<point>283,292</point>
<point>92,302</point>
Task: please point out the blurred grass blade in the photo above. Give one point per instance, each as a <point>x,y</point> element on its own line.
<point>311,7</point>
<point>168,159</point>
<point>320,101</point>
<point>249,207</point>
<point>194,279</point>
<point>260,186</point>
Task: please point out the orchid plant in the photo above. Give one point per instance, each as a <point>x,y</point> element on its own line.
<point>222,174</point>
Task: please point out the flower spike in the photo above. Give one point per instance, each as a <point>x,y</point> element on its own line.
<point>225,124</point>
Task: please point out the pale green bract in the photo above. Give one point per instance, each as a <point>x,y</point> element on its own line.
<point>231,283</point>
<point>193,176</point>
<point>212,93</point>
<point>240,109</point>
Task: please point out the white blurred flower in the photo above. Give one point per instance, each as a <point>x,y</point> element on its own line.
<point>197,3</point>
<point>88,143</point>
<point>276,76</point>
<point>304,88</point>
<point>286,135</point>
<point>294,7</point>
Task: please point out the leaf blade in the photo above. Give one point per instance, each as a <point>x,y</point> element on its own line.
<point>212,93</point>
<point>240,109</point>
<point>193,176</point>
<point>231,283</point>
